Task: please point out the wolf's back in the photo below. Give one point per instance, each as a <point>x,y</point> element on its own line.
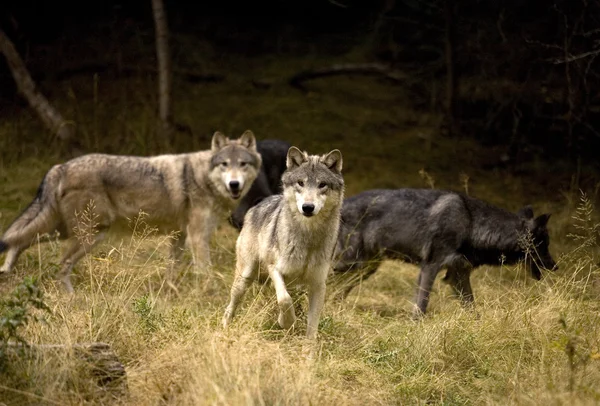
<point>41,216</point>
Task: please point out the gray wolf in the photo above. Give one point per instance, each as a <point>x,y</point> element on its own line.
<point>291,237</point>
<point>437,229</point>
<point>185,193</point>
<point>268,181</point>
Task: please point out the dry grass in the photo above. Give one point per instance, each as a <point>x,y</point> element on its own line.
<point>528,342</point>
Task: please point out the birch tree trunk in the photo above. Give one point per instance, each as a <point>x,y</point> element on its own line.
<point>164,68</point>
<point>54,121</point>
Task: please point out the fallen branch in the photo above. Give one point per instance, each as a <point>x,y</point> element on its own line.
<point>368,69</point>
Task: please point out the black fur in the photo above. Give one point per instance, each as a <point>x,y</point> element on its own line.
<point>3,246</point>
<point>437,229</point>
<point>268,181</point>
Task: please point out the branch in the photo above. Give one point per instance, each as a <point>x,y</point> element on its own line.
<point>572,58</point>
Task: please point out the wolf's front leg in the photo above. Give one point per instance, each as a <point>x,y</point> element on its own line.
<point>459,280</point>
<point>316,299</point>
<point>287,316</point>
<point>200,229</point>
<point>11,258</point>
<point>244,275</point>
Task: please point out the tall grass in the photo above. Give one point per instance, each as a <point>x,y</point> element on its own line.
<point>527,342</point>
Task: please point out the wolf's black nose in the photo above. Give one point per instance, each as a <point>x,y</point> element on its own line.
<point>308,209</point>
<point>234,185</point>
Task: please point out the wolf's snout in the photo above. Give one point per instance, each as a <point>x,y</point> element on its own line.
<point>308,209</point>
<point>234,185</point>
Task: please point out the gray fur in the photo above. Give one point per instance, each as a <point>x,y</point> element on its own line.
<point>185,193</point>
<point>289,241</point>
<point>437,229</point>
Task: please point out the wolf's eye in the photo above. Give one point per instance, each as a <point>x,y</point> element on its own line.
<point>243,164</point>
<point>224,164</point>
<point>300,183</point>
<point>322,185</point>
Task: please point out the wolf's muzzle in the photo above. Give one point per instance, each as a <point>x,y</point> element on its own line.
<point>308,209</point>
<point>234,188</point>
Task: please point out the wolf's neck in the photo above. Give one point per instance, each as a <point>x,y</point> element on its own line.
<point>318,228</point>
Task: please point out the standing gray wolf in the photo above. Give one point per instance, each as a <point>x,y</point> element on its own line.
<point>291,237</point>
<point>268,181</point>
<point>186,193</point>
<point>438,229</point>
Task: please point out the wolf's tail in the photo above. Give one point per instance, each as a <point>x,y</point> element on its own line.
<point>40,217</point>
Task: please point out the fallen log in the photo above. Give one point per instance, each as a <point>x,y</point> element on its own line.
<point>104,363</point>
<point>365,69</point>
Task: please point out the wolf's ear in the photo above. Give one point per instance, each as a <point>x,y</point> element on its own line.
<point>248,140</point>
<point>526,212</point>
<point>219,140</point>
<point>295,158</point>
<point>541,221</point>
<point>333,160</point>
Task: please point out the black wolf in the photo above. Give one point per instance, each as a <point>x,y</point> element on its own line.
<point>437,229</point>
<point>268,181</point>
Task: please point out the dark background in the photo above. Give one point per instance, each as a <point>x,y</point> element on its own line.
<point>514,88</point>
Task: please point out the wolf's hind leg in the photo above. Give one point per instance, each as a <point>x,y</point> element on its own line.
<point>176,252</point>
<point>74,253</point>
<point>426,278</point>
<point>316,299</point>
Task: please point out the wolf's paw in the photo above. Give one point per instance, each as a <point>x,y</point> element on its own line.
<point>66,281</point>
<point>287,316</point>
<point>417,313</point>
<point>226,318</point>
<point>286,320</point>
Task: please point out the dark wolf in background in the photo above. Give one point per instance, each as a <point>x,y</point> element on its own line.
<point>437,229</point>
<point>268,181</point>
<point>291,237</point>
<point>185,193</point>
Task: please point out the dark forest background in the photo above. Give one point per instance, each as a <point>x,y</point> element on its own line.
<point>524,74</point>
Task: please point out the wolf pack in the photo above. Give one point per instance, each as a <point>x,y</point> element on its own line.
<point>296,227</point>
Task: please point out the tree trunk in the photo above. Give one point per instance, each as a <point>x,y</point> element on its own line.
<point>451,78</point>
<point>164,68</point>
<point>65,130</point>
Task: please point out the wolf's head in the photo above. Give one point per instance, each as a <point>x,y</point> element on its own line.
<point>313,184</point>
<point>234,164</point>
<point>538,244</point>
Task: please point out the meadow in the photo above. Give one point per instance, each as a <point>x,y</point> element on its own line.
<point>527,342</point>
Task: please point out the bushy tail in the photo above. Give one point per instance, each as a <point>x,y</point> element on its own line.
<point>40,217</point>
